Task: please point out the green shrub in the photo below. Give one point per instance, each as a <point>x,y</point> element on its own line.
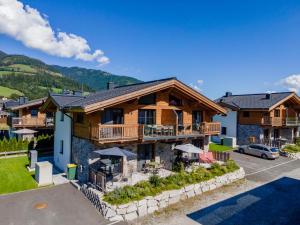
<point>155,181</point>
<point>178,167</point>
<point>292,148</point>
<point>156,185</point>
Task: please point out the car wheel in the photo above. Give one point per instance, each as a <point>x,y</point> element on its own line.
<point>241,151</point>
<point>264,156</point>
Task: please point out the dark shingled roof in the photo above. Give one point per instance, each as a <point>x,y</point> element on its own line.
<point>76,101</point>
<point>253,101</point>
<point>14,104</point>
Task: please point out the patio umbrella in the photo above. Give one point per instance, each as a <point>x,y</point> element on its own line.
<point>116,151</point>
<point>24,131</point>
<point>189,148</point>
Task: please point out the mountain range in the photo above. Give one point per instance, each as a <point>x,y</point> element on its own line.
<point>23,75</point>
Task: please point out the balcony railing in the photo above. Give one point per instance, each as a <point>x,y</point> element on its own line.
<point>272,121</point>
<point>292,121</point>
<point>31,122</point>
<point>127,132</point>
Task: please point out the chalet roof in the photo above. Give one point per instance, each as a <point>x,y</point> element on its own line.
<point>101,97</point>
<point>14,105</point>
<point>254,101</point>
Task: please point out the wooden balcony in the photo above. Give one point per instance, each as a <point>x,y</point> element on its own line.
<point>134,132</point>
<point>272,121</point>
<point>292,121</point>
<point>31,122</point>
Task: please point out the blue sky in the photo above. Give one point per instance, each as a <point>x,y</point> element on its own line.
<point>238,46</point>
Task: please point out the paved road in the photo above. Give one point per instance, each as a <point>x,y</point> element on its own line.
<point>59,205</point>
<point>269,196</point>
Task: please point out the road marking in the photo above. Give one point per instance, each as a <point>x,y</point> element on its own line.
<point>271,167</point>
<point>113,223</point>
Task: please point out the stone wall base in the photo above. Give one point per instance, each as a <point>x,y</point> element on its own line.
<point>151,204</point>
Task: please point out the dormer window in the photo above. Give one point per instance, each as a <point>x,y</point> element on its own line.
<point>175,101</point>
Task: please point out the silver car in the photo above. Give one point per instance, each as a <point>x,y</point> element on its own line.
<point>263,151</point>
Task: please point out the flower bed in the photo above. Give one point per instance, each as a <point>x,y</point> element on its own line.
<point>145,198</point>
<point>291,151</point>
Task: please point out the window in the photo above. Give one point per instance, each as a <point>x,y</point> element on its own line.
<point>79,118</point>
<point>113,116</point>
<point>277,113</point>
<point>146,116</point>
<point>224,131</point>
<point>197,117</point>
<point>61,150</point>
<point>62,116</point>
<point>246,114</point>
<point>179,117</point>
<point>148,100</point>
<point>34,113</point>
<point>174,101</point>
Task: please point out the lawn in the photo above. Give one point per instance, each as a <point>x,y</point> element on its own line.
<point>14,176</point>
<point>7,92</point>
<point>219,148</point>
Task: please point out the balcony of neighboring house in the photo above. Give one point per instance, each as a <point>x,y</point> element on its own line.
<point>151,132</point>
<point>32,122</point>
<point>272,121</point>
<point>292,121</point>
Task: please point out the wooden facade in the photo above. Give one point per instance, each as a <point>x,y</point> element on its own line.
<point>30,117</point>
<point>165,123</point>
<point>284,115</point>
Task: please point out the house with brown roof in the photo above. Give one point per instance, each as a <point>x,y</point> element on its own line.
<point>26,114</point>
<point>267,118</point>
<point>147,119</point>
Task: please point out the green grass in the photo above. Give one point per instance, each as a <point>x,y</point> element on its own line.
<point>219,148</point>
<point>292,148</point>
<point>14,176</point>
<point>7,92</point>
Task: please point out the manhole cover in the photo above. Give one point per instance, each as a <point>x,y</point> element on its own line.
<point>40,205</point>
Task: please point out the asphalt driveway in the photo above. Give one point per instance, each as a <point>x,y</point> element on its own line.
<point>59,205</point>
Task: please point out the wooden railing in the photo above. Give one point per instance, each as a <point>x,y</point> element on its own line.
<point>115,132</point>
<point>292,121</point>
<point>131,132</point>
<point>211,128</point>
<point>31,122</point>
<point>272,121</point>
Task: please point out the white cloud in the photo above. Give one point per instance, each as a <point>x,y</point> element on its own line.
<point>291,82</point>
<point>200,82</point>
<point>28,26</point>
<point>196,87</point>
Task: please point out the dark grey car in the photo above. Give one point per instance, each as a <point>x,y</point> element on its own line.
<point>263,151</point>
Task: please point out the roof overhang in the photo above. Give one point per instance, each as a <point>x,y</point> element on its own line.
<point>293,96</point>
<point>168,84</point>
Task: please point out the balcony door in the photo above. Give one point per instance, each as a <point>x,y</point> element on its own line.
<point>113,116</point>
<point>146,116</point>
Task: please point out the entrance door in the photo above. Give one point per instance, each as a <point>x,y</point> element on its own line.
<point>276,134</point>
<point>145,153</point>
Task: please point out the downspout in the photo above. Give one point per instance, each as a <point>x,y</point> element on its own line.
<point>71,134</point>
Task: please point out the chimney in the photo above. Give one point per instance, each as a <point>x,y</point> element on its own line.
<point>268,96</point>
<point>110,85</point>
<point>228,93</point>
<point>23,100</point>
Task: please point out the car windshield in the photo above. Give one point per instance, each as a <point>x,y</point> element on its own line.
<point>274,149</point>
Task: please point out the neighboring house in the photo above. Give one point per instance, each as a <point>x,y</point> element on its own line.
<point>261,118</point>
<point>25,114</point>
<point>148,119</point>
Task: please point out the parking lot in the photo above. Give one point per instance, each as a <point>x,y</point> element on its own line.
<point>258,169</point>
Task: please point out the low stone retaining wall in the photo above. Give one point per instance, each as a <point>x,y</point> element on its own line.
<point>151,204</point>
<point>290,155</point>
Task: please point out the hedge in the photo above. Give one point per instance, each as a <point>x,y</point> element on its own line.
<point>13,144</point>
<point>156,185</point>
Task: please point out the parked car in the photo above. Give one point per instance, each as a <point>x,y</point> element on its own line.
<point>263,151</point>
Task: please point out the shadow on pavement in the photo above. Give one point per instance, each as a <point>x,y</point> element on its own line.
<point>277,202</point>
